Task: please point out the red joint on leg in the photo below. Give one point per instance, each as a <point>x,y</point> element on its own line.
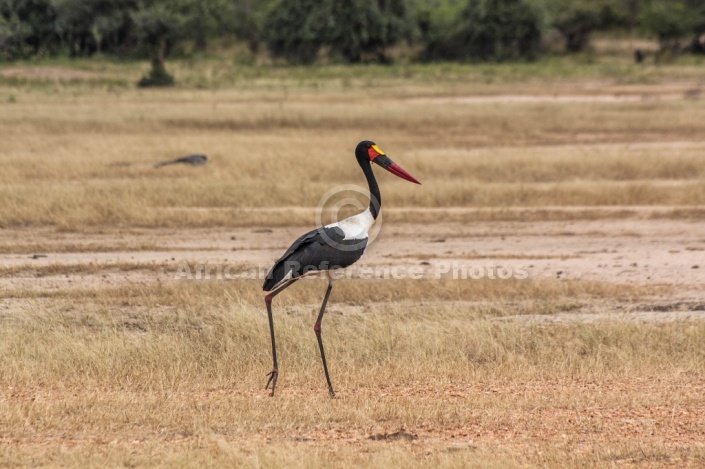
<point>317,327</point>
<point>268,299</point>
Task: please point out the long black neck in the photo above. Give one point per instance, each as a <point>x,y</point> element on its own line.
<point>375,196</point>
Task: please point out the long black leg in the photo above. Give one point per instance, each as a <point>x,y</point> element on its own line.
<point>317,329</point>
<point>275,368</point>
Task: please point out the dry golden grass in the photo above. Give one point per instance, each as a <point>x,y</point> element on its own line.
<point>82,269</point>
<point>136,376</point>
<point>157,372</point>
<point>72,161</point>
<point>185,293</point>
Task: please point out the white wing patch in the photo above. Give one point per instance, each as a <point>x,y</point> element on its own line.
<point>357,226</point>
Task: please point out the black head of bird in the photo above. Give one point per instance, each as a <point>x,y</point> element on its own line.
<point>368,152</point>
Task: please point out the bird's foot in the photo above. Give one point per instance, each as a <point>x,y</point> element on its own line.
<point>272,379</point>
<point>331,393</point>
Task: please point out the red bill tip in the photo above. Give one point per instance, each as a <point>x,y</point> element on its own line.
<point>399,171</point>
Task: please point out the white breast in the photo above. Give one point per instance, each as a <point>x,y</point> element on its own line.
<point>357,226</point>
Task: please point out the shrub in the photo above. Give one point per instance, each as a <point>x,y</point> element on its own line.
<point>294,30</point>
<point>354,30</point>
<point>670,22</point>
<point>493,30</point>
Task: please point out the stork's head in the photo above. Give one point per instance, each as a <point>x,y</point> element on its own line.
<point>368,151</point>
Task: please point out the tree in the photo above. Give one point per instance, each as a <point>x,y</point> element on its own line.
<point>26,28</point>
<point>354,30</point>
<point>576,23</point>
<point>158,23</point>
<point>295,30</point>
<point>161,24</point>
<point>87,27</point>
<point>670,21</point>
<point>489,30</point>
<point>697,45</point>
<point>206,19</point>
<point>248,19</point>
<point>577,20</point>
<point>364,29</point>
<point>14,35</point>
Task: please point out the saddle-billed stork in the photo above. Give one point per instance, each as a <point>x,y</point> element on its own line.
<point>330,247</point>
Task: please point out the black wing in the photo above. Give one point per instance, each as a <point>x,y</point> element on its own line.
<point>320,249</point>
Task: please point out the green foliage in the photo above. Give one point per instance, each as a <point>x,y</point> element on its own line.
<point>300,31</point>
<point>26,28</point>
<point>354,30</point>
<point>576,23</point>
<point>87,27</point>
<point>158,21</point>
<point>204,20</point>
<point>697,45</point>
<point>13,38</point>
<point>489,30</point>
<point>576,20</point>
<point>670,21</point>
<point>247,21</point>
<point>433,17</point>
<point>295,30</point>
<point>363,29</point>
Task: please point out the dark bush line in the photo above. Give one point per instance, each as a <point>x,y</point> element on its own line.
<point>350,31</point>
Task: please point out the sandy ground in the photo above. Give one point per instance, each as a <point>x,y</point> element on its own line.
<point>634,251</point>
<point>582,418</point>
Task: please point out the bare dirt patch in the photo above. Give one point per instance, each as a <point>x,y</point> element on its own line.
<point>636,251</point>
